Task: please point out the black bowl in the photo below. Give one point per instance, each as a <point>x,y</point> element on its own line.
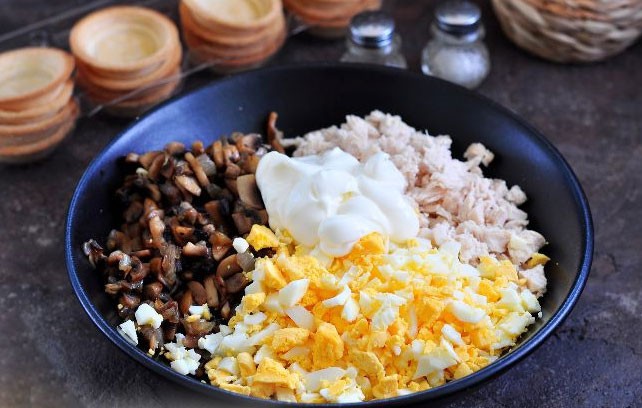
<point>311,97</point>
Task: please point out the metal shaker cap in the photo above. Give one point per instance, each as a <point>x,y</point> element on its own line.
<point>372,29</point>
<point>458,17</point>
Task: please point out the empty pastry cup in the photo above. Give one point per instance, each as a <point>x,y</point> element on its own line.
<point>40,112</point>
<point>17,135</point>
<point>329,18</point>
<point>30,77</point>
<point>234,16</point>
<point>232,64</point>
<point>40,149</point>
<point>227,37</point>
<point>166,68</point>
<point>123,42</point>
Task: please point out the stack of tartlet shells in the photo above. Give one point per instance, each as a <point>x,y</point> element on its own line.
<point>129,58</point>
<point>329,18</point>
<point>232,35</point>
<point>37,107</point>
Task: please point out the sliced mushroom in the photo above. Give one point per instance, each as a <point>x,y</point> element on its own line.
<point>218,154</point>
<point>195,250</point>
<point>248,144</point>
<point>208,166</point>
<point>236,282</point>
<point>249,191</point>
<point>198,170</point>
<point>198,148</point>
<point>185,302</point>
<point>273,134</point>
<point>198,292</point>
<point>146,159</point>
<point>174,148</point>
<point>187,213</point>
<point>129,300</point>
<point>228,267</point>
<point>189,184</point>
<point>210,291</point>
<point>152,291</point>
<point>221,245</point>
<point>153,337</point>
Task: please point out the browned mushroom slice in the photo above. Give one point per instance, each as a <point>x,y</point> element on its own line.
<point>171,254</point>
<point>246,261</point>
<point>94,252</point>
<point>218,193</point>
<point>242,222</point>
<point>226,311</point>
<point>248,144</point>
<point>198,250</point>
<point>199,327</point>
<point>236,282</point>
<point>210,290</point>
<point>129,300</point>
<point>168,310</point>
<point>182,168</point>
<point>156,229</point>
<point>231,153</point>
<point>249,192</point>
<point>169,331</point>
<point>181,234</point>
<point>231,185</point>
<point>218,211</point>
<point>171,193</point>
<point>152,290</point>
<point>133,212</point>
<point>146,159</point>
<point>189,184</point>
<point>185,302</point>
<point>232,171</point>
<point>154,191</point>
<point>139,270</point>
<point>187,213</point>
<point>198,148</point>
<point>149,206</point>
<point>208,166</point>
<point>221,245</point>
<point>153,337</point>
<point>198,170</point>
<point>228,267</point>
<point>118,240</point>
<point>121,259</point>
<point>155,167</point>
<point>142,254</point>
<point>218,154</point>
<point>273,134</point>
<point>169,165</point>
<point>250,163</point>
<point>175,148</point>
<point>198,292</point>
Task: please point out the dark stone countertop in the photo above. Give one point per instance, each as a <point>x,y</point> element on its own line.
<point>52,356</point>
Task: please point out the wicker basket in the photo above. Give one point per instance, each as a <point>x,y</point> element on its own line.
<point>571,30</point>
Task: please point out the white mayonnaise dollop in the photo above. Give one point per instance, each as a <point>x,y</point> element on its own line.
<point>329,201</point>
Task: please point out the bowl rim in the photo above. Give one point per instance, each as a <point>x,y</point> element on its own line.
<point>470,381</point>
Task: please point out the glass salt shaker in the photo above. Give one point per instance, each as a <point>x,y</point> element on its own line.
<point>372,39</point>
<point>457,52</point>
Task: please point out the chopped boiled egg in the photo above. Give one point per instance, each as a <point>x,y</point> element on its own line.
<point>382,321</point>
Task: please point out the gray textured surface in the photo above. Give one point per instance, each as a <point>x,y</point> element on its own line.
<point>53,356</point>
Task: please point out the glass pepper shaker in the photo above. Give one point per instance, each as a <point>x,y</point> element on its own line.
<point>372,39</point>
<point>457,52</point>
